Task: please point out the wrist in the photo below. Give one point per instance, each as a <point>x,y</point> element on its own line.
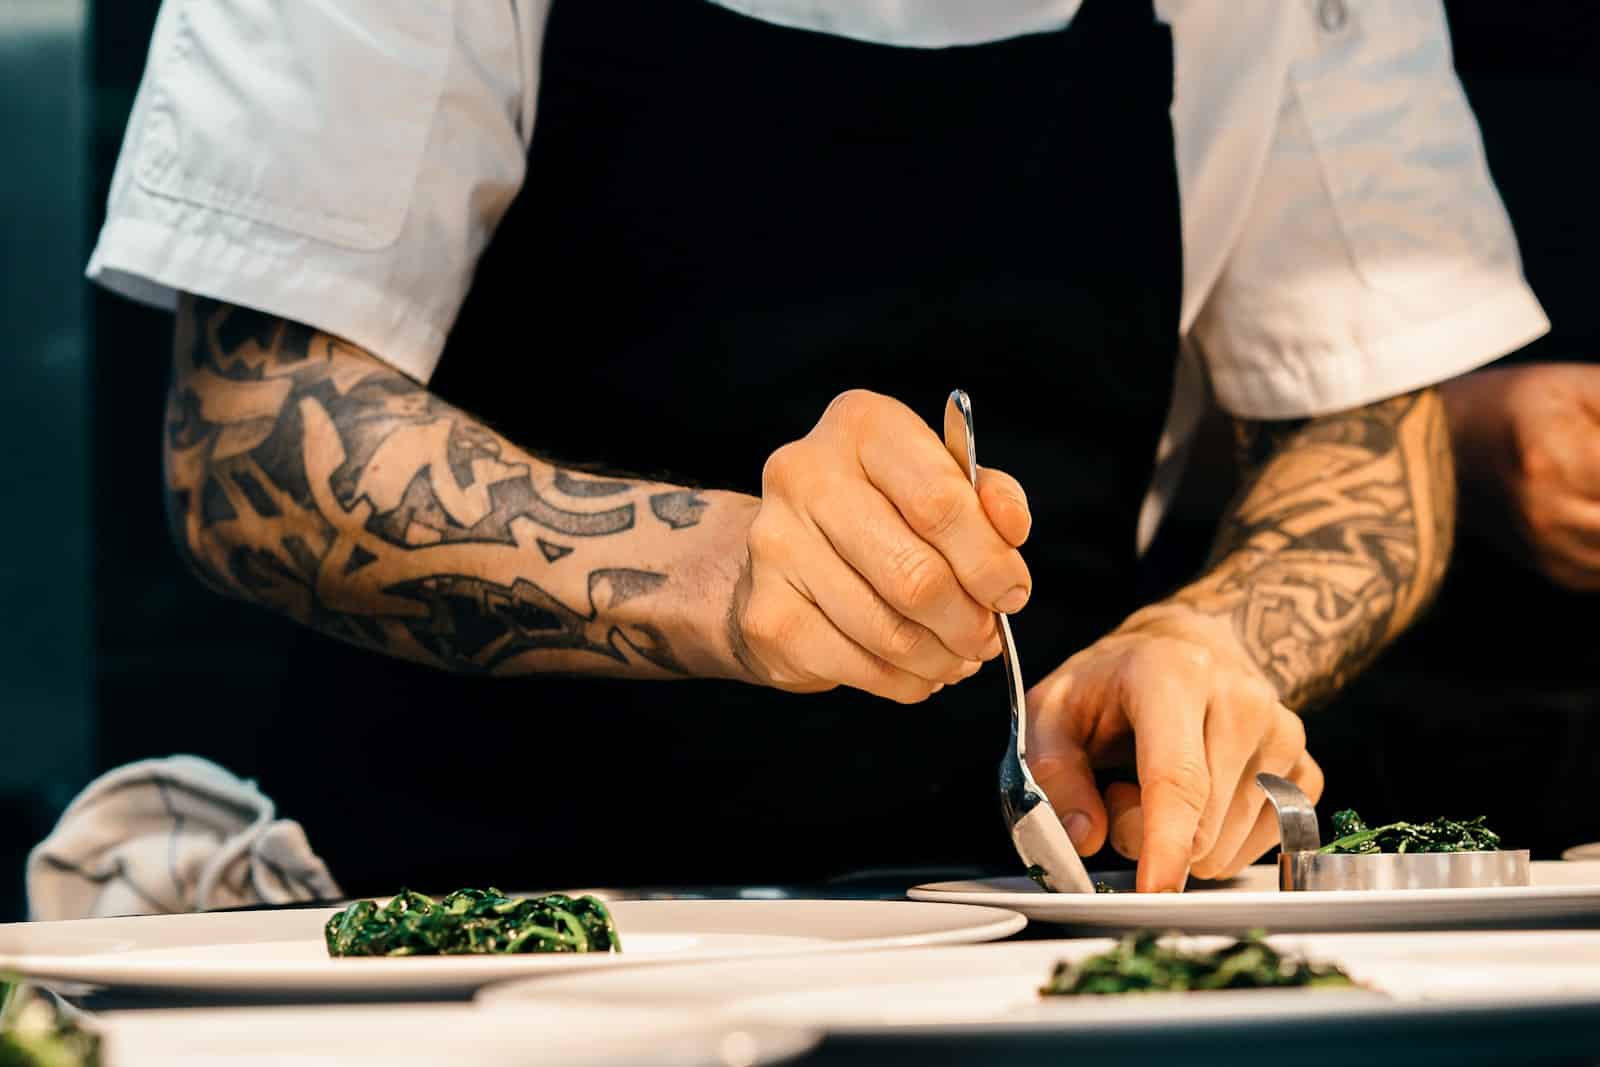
<point>1481,434</point>
<point>708,583</point>
<point>1192,614</point>
<point>1488,455</point>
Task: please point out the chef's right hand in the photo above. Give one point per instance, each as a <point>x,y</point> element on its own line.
<point>873,563</point>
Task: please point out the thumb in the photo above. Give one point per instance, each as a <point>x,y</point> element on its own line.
<point>1067,779</point>
<point>1005,504</point>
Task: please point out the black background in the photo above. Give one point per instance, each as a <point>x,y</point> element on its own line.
<point>1490,706</point>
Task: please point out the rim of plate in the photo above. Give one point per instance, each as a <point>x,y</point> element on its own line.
<point>990,892</point>
<point>441,1031</point>
<point>1168,1012</point>
<point>119,959</point>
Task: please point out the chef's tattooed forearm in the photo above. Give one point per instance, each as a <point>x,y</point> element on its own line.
<point>678,508</point>
<point>307,476</point>
<point>1337,540</point>
<point>572,485</point>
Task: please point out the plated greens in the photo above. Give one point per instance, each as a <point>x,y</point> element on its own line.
<point>1143,962</point>
<point>35,1033</point>
<point>472,921</point>
<point>1354,837</point>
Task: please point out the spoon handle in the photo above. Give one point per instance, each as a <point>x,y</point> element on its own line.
<point>958,431</point>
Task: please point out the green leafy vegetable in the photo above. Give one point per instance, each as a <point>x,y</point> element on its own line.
<point>471,921</point>
<point>1354,837</point>
<point>34,1033</point>
<point>1143,963</point>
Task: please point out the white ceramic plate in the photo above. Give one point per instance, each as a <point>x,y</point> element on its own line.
<point>1414,979</point>
<point>1561,894</point>
<point>426,1035</point>
<point>282,952</point>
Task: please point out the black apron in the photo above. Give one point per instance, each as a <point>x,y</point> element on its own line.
<point>725,224</point>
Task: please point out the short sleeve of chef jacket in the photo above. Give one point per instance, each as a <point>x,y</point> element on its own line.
<point>340,163</point>
<point>1349,245</point>
<point>344,163</point>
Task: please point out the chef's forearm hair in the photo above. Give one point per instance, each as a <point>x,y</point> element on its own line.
<point>1336,541</point>
<point>305,475</point>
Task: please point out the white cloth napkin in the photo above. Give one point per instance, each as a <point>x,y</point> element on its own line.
<point>171,835</point>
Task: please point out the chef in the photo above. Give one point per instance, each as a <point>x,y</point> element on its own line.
<point>533,354</point>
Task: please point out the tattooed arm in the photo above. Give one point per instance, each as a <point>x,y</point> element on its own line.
<point>305,475</point>
<point>1335,543</point>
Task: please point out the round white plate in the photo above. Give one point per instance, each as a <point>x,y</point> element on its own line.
<point>282,952</point>
<point>1412,980</point>
<point>425,1035</point>
<point>1562,893</point>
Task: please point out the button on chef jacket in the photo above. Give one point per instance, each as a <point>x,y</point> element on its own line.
<point>346,164</point>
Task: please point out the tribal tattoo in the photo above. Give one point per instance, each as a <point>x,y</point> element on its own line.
<point>306,476</point>
<point>1337,540</point>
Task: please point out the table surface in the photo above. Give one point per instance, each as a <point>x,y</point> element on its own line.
<point>1561,1036</point>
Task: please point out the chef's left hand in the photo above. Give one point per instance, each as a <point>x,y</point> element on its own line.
<point>1172,690</point>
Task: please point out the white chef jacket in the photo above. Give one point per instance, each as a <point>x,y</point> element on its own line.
<point>343,163</point>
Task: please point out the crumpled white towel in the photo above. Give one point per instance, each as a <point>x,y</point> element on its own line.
<point>171,835</point>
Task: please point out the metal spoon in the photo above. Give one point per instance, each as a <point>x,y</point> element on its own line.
<point>1036,832</point>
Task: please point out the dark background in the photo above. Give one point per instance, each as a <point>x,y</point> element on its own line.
<point>1492,705</point>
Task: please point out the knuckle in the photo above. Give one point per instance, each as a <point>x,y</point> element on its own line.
<point>1135,662</point>
<point>765,624</point>
<point>1186,782</point>
<point>1312,780</point>
<point>852,407</point>
<point>1250,706</point>
<point>779,468</point>
<point>937,505</point>
<point>765,538</point>
<point>920,579</point>
<point>998,572</point>
<point>904,638</point>
<point>1257,694</point>
<point>1207,834</point>
<point>1051,693</point>
<point>1535,462</point>
<point>1196,658</point>
<point>1160,656</point>
<point>1007,486</point>
<point>891,683</point>
<point>981,636</point>
<point>1290,732</point>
